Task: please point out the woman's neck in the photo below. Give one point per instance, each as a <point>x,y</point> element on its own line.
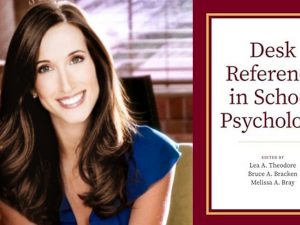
<point>69,137</point>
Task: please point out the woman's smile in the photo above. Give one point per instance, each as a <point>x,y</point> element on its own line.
<point>71,102</point>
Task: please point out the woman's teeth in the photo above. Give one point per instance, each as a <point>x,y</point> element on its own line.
<point>72,101</point>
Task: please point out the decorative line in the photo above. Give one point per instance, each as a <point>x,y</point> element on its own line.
<point>269,142</point>
<point>209,211</point>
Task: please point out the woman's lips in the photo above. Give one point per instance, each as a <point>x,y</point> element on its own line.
<point>73,101</point>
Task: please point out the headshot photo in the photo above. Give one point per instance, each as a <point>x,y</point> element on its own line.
<point>96,112</point>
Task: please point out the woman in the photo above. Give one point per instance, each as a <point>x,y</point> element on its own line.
<point>69,151</point>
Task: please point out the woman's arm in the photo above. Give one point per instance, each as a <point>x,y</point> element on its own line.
<point>10,216</point>
<point>152,208</point>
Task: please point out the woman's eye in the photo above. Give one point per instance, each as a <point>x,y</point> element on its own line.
<point>77,59</point>
<point>44,69</point>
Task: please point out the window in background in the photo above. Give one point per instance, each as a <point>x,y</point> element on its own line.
<point>146,36</point>
<point>7,26</point>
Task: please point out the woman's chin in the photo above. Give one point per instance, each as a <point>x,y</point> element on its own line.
<point>70,119</point>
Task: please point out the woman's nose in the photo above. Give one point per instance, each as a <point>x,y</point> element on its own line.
<point>65,81</point>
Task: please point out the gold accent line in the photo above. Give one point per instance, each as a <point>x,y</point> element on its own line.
<point>254,213</point>
<point>253,14</point>
<point>269,142</point>
<point>208,15</point>
<point>207,115</point>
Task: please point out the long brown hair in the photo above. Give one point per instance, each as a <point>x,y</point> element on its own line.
<point>29,158</point>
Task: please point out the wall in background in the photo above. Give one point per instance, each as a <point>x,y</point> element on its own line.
<point>176,114</point>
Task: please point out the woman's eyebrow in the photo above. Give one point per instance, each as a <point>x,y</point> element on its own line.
<point>71,53</point>
<point>42,61</point>
<point>76,51</point>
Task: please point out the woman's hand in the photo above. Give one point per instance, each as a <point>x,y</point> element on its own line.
<point>10,216</point>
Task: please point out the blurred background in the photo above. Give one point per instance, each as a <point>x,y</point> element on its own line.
<point>145,37</point>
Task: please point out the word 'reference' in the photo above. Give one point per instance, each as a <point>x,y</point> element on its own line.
<point>259,96</point>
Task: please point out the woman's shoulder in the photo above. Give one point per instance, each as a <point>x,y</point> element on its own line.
<point>154,154</point>
<point>149,137</point>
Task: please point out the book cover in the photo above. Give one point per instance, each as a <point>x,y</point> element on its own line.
<point>247,145</point>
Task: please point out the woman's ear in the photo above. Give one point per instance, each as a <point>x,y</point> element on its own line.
<point>33,93</point>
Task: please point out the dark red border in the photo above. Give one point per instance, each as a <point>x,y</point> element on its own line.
<point>265,16</point>
<point>200,8</point>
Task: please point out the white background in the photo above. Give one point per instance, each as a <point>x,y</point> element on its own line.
<point>232,151</point>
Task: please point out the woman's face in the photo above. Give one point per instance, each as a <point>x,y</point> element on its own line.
<point>66,81</point>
